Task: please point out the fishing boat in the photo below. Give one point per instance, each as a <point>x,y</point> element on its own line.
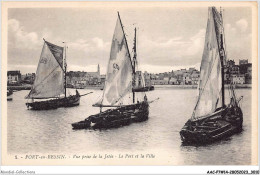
<point>212,118</point>
<point>124,105</point>
<point>140,85</point>
<point>143,89</point>
<point>49,88</point>
<point>9,95</point>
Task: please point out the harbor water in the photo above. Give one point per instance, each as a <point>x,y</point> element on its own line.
<point>50,131</point>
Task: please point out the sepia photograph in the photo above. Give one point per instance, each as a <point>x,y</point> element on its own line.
<point>129,83</point>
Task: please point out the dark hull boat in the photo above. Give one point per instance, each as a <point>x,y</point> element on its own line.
<point>113,118</point>
<point>212,120</point>
<point>118,94</point>
<point>143,89</point>
<point>139,83</point>
<point>222,124</point>
<point>69,101</point>
<point>9,95</point>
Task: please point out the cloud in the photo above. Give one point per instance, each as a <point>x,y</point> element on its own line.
<point>196,44</point>
<point>230,29</point>
<point>242,24</point>
<point>89,44</point>
<point>99,43</point>
<point>162,50</point>
<point>25,46</point>
<point>166,43</point>
<point>175,51</point>
<point>18,37</point>
<point>91,47</point>
<point>237,41</point>
<point>79,44</point>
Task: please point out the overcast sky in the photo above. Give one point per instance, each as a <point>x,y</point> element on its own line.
<point>168,38</point>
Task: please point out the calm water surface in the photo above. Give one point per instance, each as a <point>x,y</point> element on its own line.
<point>50,131</point>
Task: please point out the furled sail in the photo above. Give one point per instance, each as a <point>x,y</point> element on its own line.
<point>119,70</point>
<point>139,79</point>
<point>49,80</point>
<point>210,70</point>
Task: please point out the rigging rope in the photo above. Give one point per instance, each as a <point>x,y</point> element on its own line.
<point>214,22</point>
<point>224,40</point>
<point>201,91</point>
<point>33,87</point>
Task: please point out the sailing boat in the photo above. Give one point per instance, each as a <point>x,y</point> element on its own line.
<point>212,119</point>
<point>10,95</point>
<point>139,81</point>
<point>118,95</point>
<point>49,87</point>
<point>140,85</point>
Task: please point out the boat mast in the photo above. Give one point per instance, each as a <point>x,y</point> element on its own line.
<point>222,71</point>
<point>220,49</point>
<point>222,52</point>
<point>134,64</point>
<point>127,51</point>
<point>65,70</point>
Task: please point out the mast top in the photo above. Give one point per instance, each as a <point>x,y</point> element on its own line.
<point>125,39</point>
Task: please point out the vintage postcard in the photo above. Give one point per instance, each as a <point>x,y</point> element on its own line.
<point>129,83</point>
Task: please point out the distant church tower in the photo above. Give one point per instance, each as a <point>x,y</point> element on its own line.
<point>98,70</point>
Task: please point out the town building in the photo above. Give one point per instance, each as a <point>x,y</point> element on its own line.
<point>139,79</point>
<point>28,78</point>
<point>246,69</point>
<point>102,79</point>
<point>191,70</point>
<point>234,70</point>
<point>238,79</point>
<point>81,79</point>
<point>248,75</point>
<point>243,62</point>
<point>238,74</point>
<point>173,80</point>
<point>186,78</point>
<point>147,79</point>
<point>13,77</point>
<point>195,76</point>
<point>159,82</point>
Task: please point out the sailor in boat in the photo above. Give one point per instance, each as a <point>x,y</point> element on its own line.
<point>145,98</point>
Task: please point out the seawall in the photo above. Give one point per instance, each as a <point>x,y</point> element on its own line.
<point>237,86</point>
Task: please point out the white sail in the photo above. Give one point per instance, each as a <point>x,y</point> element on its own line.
<point>119,70</point>
<point>49,80</point>
<point>210,71</point>
<point>139,79</point>
<point>139,83</point>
